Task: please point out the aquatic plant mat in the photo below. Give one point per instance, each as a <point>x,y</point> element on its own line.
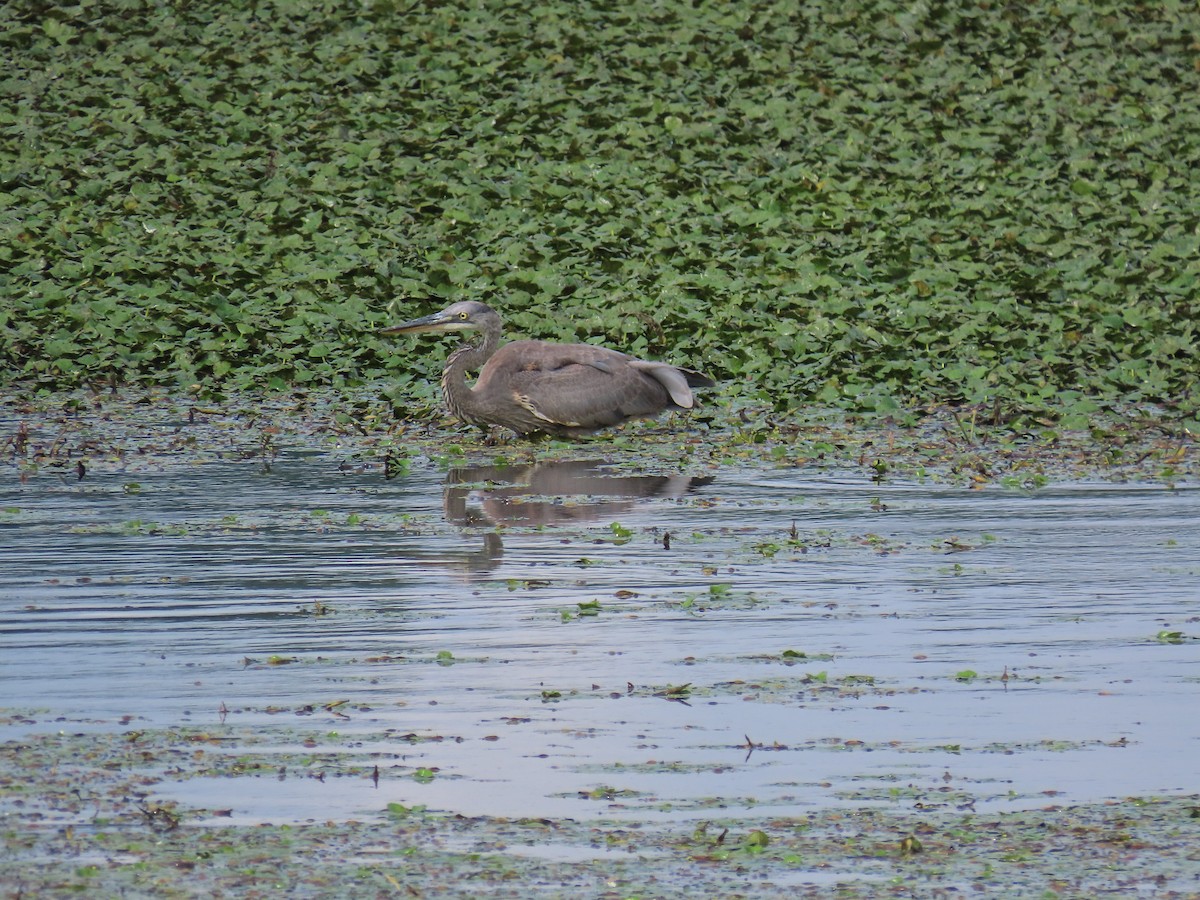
<point>80,818</point>
<point>867,205</point>
<point>288,645</point>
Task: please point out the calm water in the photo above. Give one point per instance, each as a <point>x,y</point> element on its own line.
<point>171,597</point>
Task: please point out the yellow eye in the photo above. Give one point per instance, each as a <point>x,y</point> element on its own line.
<point>462,315</point>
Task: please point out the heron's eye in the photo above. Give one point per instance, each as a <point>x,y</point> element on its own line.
<point>462,315</point>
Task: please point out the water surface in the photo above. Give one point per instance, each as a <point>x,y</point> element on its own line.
<point>443,625</point>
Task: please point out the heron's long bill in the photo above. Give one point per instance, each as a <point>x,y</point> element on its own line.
<point>438,321</point>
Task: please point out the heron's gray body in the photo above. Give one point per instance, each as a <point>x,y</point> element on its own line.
<point>536,386</point>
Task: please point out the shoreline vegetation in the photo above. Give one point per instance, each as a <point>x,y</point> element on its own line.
<point>874,207</point>
<point>85,432</point>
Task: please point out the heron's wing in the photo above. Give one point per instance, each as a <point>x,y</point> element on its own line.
<point>580,385</point>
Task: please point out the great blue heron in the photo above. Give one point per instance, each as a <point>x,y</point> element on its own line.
<point>566,390</point>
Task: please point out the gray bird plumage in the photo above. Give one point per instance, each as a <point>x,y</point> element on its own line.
<point>534,386</point>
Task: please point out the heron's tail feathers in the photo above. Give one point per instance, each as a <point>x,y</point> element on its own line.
<point>678,382</point>
<point>697,379</point>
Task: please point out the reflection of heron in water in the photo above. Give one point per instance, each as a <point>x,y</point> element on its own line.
<point>567,390</point>
<point>552,493</point>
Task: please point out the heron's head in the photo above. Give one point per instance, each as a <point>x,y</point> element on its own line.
<point>465,316</point>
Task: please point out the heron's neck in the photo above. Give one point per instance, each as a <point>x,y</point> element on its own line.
<point>468,358</point>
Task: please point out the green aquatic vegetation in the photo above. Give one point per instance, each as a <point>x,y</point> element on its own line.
<point>396,466</point>
<point>875,223</point>
<point>857,679</point>
<point>653,767</point>
<point>606,792</point>
<point>909,794</point>
<point>719,596</point>
<point>449,455</point>
<point>621,535</point>
<point>587,609</point>
<point>1170,637</point>
<point>1025,482</point>
<point>792,657</point>
<point>756,841</point>
<point>400,811</point>
<point>767,549</point>
<point>526,584</point>
<point>674,691</point>
<point>134,527</point>
<point>448,855</point>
